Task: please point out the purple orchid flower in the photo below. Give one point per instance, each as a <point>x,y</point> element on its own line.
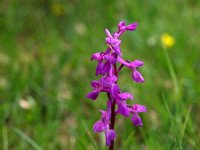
<point>116,94</point>
<point>104,67</point>
<point>102,125</point>
<point>103,85</point>
<point>122,27</point>
<point>120,99</point>
<point>113,42</point>
<point>107,67</point>
<point>136,75</point>
<point>135,109</point>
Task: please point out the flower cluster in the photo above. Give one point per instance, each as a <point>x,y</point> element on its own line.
<point>108,69</point>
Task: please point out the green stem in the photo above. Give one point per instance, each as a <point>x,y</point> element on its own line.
<point>171,70</point>
<point>113,115</point>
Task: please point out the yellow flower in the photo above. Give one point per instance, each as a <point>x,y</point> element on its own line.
<point>57,9</point>
<point>167,40</point>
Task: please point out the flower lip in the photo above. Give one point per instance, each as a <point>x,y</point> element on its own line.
<point>137,76</point>
<point>123,109</point>
<point>137,121</point>
<point>136,63</point>
<point>108,79</point>
<point>110,136</point>
<point>125,96</point>
<point>132,27</point>
<point>98,126</point>
<point>93,95</point>
<point>137,108</point>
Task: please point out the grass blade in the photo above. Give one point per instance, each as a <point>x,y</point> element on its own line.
<point>185,123</point>
<point>27,139</point>
<point>5,138</point>
<point>91,138</point>
<point>128,141</point>
<point>179,147</point>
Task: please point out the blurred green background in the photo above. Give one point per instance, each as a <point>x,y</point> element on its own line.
<point>45,73</point>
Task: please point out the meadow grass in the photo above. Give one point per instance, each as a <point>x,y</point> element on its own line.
<point>45,49</point>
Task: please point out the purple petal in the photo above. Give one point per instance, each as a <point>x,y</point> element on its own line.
<point>99,68</point>
<point>115,41</point>
<point>132,26</point>
<point>109,40</point>
<point>116,48</point>
<point>107,80</point>
<point>121,28</point>
<point>103,113</point>
<point>122,61</point>
<point>125,96</point>
<point>116,34</point>
<point>110,136</point>
<point>136,63</point>
<point>96,85</point>
<point>110,58</point>
<point>136,120</point>
<point>106,68</point>
<point>114,90</point>
<point>97,56</point>
<point>108,50</point>
<point>98,126</point>
<point>123,109</point>
<point>137,77</point>
<point>105,116</point>
<point>137,108</point>
<point>121,25</point>
<point>93,95</point>
<point>115,44</point>
<point>108,33</point>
